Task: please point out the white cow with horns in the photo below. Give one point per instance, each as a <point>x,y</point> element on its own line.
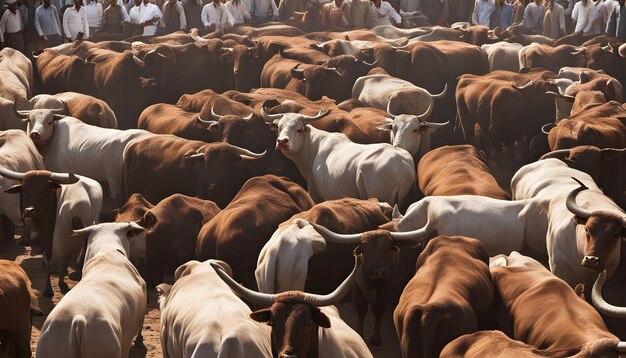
<point>334,167</point>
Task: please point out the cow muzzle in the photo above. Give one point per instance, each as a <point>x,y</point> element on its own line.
<point>282,143</point>
<point>35,137</point>
<point>592,264</point>
<point>377,274</point>
<point>29,214</point>
<point>213,189</point>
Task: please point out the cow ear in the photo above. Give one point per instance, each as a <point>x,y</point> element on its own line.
<point>580,290</point>
<point>35,310</point>
<point>385,127</point>
<point>319,318</point>
<point>149,219</point>
<point>134,229</point>
<point>297,74</point>
<point>263,315</point>
<point>185,269</point>
<point>15,189</point>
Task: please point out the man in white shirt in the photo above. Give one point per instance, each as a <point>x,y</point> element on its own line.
<point>580,15</point>
<point>215,17</point>
<point>533,18</point>
<point>11,28</point>
<point>239,11</point>
<point>93,10</point>
<point>75,22</point>
<point>173,16</point>
<point>146,15</point>
<point>482,12</point>
<point>48,24</point>
<point>263,11</point>
<point>382,13</point>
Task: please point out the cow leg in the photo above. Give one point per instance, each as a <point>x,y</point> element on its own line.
<point>47,292</point>
<point>77,224</point>
<point>378,308</point>
<point>26,239</point>
<point>360,304</point>
<point>139,339</point>
<point>7,230</point>
<point>62,284</point>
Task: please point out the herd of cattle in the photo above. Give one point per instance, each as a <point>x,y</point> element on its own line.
<point>254,165</point>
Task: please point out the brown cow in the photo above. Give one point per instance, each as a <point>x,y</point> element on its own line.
<point>88,109</point>
<point>237,234</point>
<point>60,73</point>
<point>439,304</point>
<point>551,58</point>
<point>608,59</point>
<point>541,310</point>
<point>457,170</point>
<point>160,166</point>
<point>172,228</point>
<point>259,97</point>
<point>18,304</point>
<point>202,102</point>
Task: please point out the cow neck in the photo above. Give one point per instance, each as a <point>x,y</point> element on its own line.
<point>314,346</point>
<point>46,229</point>
<point>305,156</point>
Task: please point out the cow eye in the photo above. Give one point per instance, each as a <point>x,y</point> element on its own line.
<point>415,130</point>
<point>299,130</point>
<point>586,229</point>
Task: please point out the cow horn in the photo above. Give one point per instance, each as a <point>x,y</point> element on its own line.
<point>248,117</point>
<point>23,114</point>
<point>227,49</point>
<point>215,116</point>
<point>334,237</point>
<point>416,235</point>
<point>297,69</point>
<point>205,122</point>
<point>545,130</point>
<point>522,87</point>
<point>564,96</point>
<point>9,174</point>
<point>600,304</point>
<point>269,117</point>
<point>371,64</point>
<point>620,347</point>
<point>434,124</point>
<point>60,178</point>
<point>558,154</point>
<point>257,298</point>
<point>63,110</point>
<point>139,62</point>
<point>319,115</point>
<point>570,202</point>
<point>333,69</point>
<point>401,47</point>
<point>246,154</point>
<point>391,115</point>
<point>578,51</point>
<point>443,93</point>
<point>334,297</point>
<point>425,115</point>
<point>404,51</point>
<point>608,48</point>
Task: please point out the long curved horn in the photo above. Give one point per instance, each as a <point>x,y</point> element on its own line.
<point>139,62</point>
<point>63,110</point>
<point>418,235</point>
<point>60,178</point>
<point>23,114</point>
<point>570,202</point>
<point>334,297</point>
<point>425,115</point>
<point>319,115</point>
<point>564,96</point>
<point>558,154</point>
<point>334,237</point>
<point>600,304</point>
<point>215,116</point>
<point>246,154</point>
<point>522,87</point>
<point>206,122</point>
<point>269,117</point>
<point>260,299</point>
<point>9,174</point>
<point>621,347</point>
<point>443,93</point>
<point>391,115</point>
<point>370,64</point>
<point>434,124</point>
<point>332,69</point>
<point>248,117</point>
<point>578,51</point>
<point>545,130</point>
<point>194,36</point>
<point>608,48</point>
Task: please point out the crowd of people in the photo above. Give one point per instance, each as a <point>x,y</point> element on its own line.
<point>48,23</point>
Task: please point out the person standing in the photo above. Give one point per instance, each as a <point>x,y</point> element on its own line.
<point>48,24</point>
<point>518,11</point>
<point>127,4</point>
<point>215,17</point>
<point>554,21</point>
<point>580,16</point>
<point>11,28</point>
<point>482,12</point>
<point>611,17</point>
<point>335,14</point>
<point>263,11</point>
<point>505,18</point>
<point>115,18</point>
<point>621,21</point>
<point>596,24</point>
<point>382,13</point>
<point>239,11</point>
<point>93,10</point>
<point>436,11</point>
<point>193,9</point>
<point>174,16</point>
<point>146,15</point>
<point>533,18</point>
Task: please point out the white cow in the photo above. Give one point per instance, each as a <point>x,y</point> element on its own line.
<point>502,55</point>
<point>585,226</point>
<point>100,316</point>
<point>97,111</point>
<point>334,167</point>
<point>354,47</point>
<point>407,105</point>
<point>202,317</point>
<point>69,145</point>
<point>78,204</point>
<point>17,153</point>
<point>393,32</point>
<point>16,72</point>
<point>562,100</point>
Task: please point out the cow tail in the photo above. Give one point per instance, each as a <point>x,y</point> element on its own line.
<point>77,338</point>
<point>431,319</point>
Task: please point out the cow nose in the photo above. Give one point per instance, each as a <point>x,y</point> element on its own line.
<point>35,135</point>
<point>377,273</point>
<point>282,143</point>
<point>591,262</point>
<point>213,188</point>
<point>282,140</point>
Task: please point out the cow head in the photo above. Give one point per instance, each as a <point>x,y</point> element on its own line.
<point>217,177</point>
<point>246,63</point>
<point>292,128</point>
<point>318,80</point>
<point>603,230</point>
<point>246,131</point>
<point>588,159</point>
<point>294,315</point>
<point>378,249</point>
<point>110,236</point>
<point>135,209</point>
<point>40,122</point>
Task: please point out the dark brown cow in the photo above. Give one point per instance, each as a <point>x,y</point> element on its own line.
<point>18,304</point>
<point>160,166</point>
<point>258,98</point>
<point>585,100</point>
<point>237,234</point>
<point>379,251</point>
<point>61,73</point>
<point>270,29</point>
<point>541,310</point>
<point>457,170</point>
<point>594,81</point>
<point>203,101</point>
<point>607,59</point>
<point>164,118</point>
<point>439,304</point>
<point>601,126</point>
<point>552,58</point>
<point>172,228</point>
<point>606,166</point>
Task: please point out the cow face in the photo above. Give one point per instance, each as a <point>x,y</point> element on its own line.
<point>603,232</point>
<point>408,132</point>
<point>317,80</point>
<point>291,132</point>
<point>41,125</point>
<point>246,65</point>
<point>379,254</point>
